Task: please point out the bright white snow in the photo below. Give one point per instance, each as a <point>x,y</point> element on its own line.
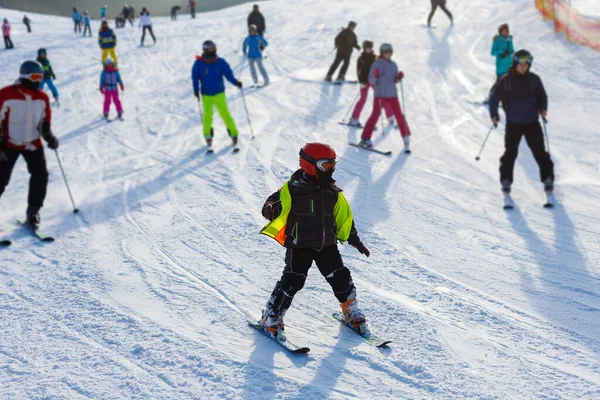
<point>145,293</point>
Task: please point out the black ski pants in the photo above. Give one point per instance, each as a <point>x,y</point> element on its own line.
<point>77,26</point>
<point>149,29</point>
<point>87,28</point>
<point>298,262</point>
<point>28,28</point>
<point>173,15</point>
<point>193,12</point>
<point>535,140</point>
<point>36,165</point>
<point>434,5</point>
<point>339,58</point>
<point>8,43</point>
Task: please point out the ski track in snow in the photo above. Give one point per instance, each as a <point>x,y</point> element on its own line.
<point>146,292</point>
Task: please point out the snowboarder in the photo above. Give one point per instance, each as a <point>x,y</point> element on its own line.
<point>363,67</point>
<point>384,76</point>
<point>25,118</point>
<point>441,4</point>
<point>345,41</point>
<point>146,23</point>
<point>108,42</point>
<point>209,70</point>
<point>103,12</point>
<point>192,6</point>
<point>86,23</point>
<point>76,20</point>
<point>524,100</point>
<point>257,19</point>
<point>174,10</point>
<point>27,23</point>
<point>48,73</point>
<point>110,78</point>
<point>502,49</point>
<point>8,44</point>
<point>308,216</point>
<point>253,45</point>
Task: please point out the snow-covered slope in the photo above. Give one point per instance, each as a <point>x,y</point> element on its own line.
<point>145,293</point>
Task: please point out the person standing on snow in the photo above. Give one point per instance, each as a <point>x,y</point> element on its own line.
<point>86,23</point>
<point>25,118</point>
<point>8,44</point>
<point>502,49</point>
<point>257,19</point>
<point>209,71</point>
<point>146,24</point>
<point>192,6</point>
<point>130,14</point>
<point>27,23</point>
<point>524,100</point>
<point>108,42</point>
<point>76,20</point>
<point>384,76</point>
<point>441,4</point>
<point>345,41</point>
<point>174,10</point>
<point>103,12</point>
<point>363,67</point>
<point>48,73</point>
<point>253,45</point>
<point>308,216</point>
<point>110,78</point>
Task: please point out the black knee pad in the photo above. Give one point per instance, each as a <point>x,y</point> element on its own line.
<point>286,289</point>
<point>341,283</point>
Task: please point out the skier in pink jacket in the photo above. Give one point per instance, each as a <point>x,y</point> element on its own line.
<point>6,33</point>
<point>384,76</point>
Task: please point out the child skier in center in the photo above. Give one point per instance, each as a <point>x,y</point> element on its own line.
<point>308,215</point>
<point>48,73</point>
<point>109,79</point>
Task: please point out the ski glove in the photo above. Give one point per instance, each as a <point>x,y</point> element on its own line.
<point>197,94</point>
<point>376,73</point>
<point>102,89</point>
<point>400,75</point>
<point>363,85</point>
<point>504,55</point>
<point>52,141</point>
<point>272,210</point>
<point>355,242</point>
<point>122,87</point>
<point>239,84</point>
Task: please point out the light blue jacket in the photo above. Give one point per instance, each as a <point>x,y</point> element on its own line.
<point>252,46</point>
<point>76,16</point>
<point>86,19</point>
<point>503,47</point>
<point>384,76</point>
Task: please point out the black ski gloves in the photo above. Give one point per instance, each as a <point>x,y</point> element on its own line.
<point>271,210</point>
<point>48,136</point>
<point>197,94</point>
<point>504,55</point>
<point>239,84</point>
<point>354,241</point>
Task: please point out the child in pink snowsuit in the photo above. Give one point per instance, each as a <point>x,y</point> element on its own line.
<point>109,79</point>
<point>384,76</point>
<point>6,33</point>
<point>365,61</point>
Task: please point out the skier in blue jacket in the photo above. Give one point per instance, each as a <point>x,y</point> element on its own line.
<point>502,49</point>
<point>253,46</point>
<point>207,79</point>
<point>76,19</point>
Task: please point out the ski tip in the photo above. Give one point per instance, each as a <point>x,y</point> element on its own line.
<point>384,344</point>
<point>301,350</point>
<point>5,243</point>
<point>47,239</point>
<point>507,207</point>
<point>548,205</point>
<point>405,152</point>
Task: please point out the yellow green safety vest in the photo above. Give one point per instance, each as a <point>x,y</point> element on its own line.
<point>341,212</point>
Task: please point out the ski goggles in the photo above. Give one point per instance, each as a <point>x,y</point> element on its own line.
<point>323,164</point>
<point>524,60</point>
<point>34,76</point>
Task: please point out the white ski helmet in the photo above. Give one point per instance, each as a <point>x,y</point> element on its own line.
<point>386,47</point>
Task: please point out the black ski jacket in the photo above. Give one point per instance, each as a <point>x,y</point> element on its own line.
<point>256,18</point>
<point>363,66</point>
<point>345,41</point>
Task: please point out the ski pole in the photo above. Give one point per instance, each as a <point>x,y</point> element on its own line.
<point>351,107</point>
<point>544,122</point>
<point>200,110</point>
<point>75,209</point>
<point>247,114</point>
<point>403,103</point>
<point>485,141</point>
<point>381,116</point>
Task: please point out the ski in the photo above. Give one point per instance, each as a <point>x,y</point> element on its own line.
<point>236,148</point>
<point>367,336</point>
<point>361,126</point>
<point>286,344</point>
<point>549,200</point>
<point>5,243</point>
<point>385,153</point>
<point>37,233</point>
<point>342,82</point>
<point>508,202</point>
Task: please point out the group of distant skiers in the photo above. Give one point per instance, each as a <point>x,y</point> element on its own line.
<point>309,214</point>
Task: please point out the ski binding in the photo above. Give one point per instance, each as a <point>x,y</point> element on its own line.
<point>367,336</point>
<point>286,344</point>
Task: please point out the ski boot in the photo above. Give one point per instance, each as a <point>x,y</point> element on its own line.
<point>340,79</point>
<point>548,185</point>
<point>328,78</point>
<point>506,186</point>
<point>366,143</point>
<point>120,116</point>
<point>406,140</point>
<point>354,316</point>
<point>273,323</point>
<point>209,145</point>
<point>391,120</point>
<point>106,116</point>
<point>355,123</point>
<point>33,219</point>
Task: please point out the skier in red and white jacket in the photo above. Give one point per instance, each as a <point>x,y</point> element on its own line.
<point>25,119</point>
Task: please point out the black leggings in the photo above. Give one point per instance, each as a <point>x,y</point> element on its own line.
<point>339,58</point>
<point>441,4</point>
<point>36,165</point>
<point>8,43</point>
<point>149,28</point>
<point>77,26</point>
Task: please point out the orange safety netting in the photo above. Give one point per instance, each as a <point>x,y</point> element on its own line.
<point>576,27</point>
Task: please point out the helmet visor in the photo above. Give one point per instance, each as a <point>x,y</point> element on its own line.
<point>34,76</point>
<point>326,164</point>
<point>524,60</point>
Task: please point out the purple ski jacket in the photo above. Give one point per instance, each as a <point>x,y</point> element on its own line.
<point>384,76</point>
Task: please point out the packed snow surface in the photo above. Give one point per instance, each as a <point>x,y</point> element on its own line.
<point>146,292</point>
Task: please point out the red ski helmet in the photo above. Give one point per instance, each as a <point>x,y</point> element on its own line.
<point>315,156</point>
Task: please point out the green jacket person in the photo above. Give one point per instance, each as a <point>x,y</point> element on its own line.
<point>308,215</point>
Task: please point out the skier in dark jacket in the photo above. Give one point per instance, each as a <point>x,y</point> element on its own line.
<point>524,100</point>
<point>441,4</point>
<point>257,19</point>
<point>309,215</point>
<point>174,10</point>
<point>27,23</point>
<point>345,41</point>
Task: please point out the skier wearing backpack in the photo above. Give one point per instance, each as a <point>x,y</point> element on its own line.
<point>308,216</point>
<point>524,100</point>
<point>25,118</point>
<point>345,42</point>
<point>207,79</point>
<point>384,76</point>
<point>42,58</point>
<point>110,81</point>
<point>363,67</point>
<point>502,49</point>
<point>252,48</point>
